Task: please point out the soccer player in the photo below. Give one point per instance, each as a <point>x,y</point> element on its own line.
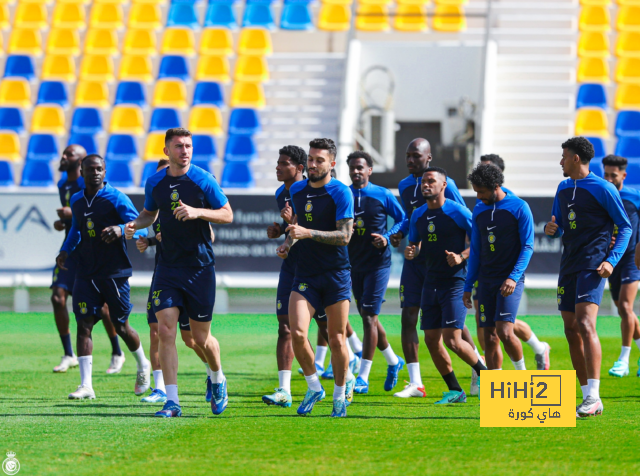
<point>103,269</point>
<point>324,210</point>
<point>186,199</point>
<point>370,258</point>
<point>502,239</point>
<point>623,282</point>
<point>439,230</point>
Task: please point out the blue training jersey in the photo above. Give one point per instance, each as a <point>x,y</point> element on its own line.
<point>96,258</point>
<point>502,238</point>
<point>282,198</point>
<point>372,205</point>
<point>586,211</point>
<point>631,201</point>
<point>67,189</point>
<point>184,243</point>
<point>320,209</point>
<point>439,230</point>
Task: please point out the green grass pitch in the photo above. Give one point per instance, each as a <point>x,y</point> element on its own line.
<point>116,434</point>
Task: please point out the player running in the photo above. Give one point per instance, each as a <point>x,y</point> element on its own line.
<point>370,258</point>
<point>501,247</point>
<point>623,282</point>
<point>186,199</point>
<point>103,269</point>
<point>438,230</point>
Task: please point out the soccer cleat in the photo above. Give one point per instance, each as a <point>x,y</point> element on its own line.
<point>359,354</point>
<point>143,379</point>
<point>542,360</point>
<point>67,362</point>
<point>339,408</point>
<point>310,399</point>
<point>392,374</point>
<point>328,374</point>
<point>354,364</point>
<point>157,396</point>
<point>361,387</point>
<point>348,391</point>
<point>453,396</point>
<point>590,407</point>
<point>475,386</point>
<point>638,373</point>
<point>117,361</point>
<point>280,398</point>
<point>219,397</point>
<point>411,390</point>
<point>170,410</point>
<point>619,369</point>
<point>319,371</point>
<point>209,393</point>
<point>83,392</point>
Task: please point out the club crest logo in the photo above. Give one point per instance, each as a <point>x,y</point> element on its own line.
<point>308,207</point>
<point>302,287</point>
<point>156,302</point>
<point>11,465</point>
<point>572,215</point>
<point>483,318</point>
<point>279,306</point>
<point>559,300</point>
<point>90,224</point>
<point>175,196</point>
<point>83,310</point>
<point>431,227</point>
<point>492,237</point>
<point>359,223</point>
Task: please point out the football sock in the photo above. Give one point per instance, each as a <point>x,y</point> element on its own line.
<point>349,373</point>
<point>414,373</point>
<point>159,380</point>
<point>365,368</point>
<point>141,360</point>
<point>115,346</point>
<point>284,378</point>
<point>85,362</point>
<point>637,341</point>
<point>585,391</point>
<point>519,365</point>
<point>172,394</point>
<point>479,366</point>
<point>356,343</point>
<point>321,355</point>
<point>452,382</point>
<point>594,388</point>
<point>66,344</point>
<point>537,346</point>
<point>350,351</point>
<point>338,392</point>
<point>390,356</point>
<point>313,382</point>
<point>217,377</point>
<point>475,349</point>
<point>208,369</point>
<point>624,354</point>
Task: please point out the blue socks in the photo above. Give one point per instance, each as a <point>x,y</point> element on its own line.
<point>66,345</point>
<point>115,346</point>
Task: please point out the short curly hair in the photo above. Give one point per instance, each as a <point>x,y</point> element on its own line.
<point>581,147</point>
<point>296,154</point>
<point>486,175</point>
<point>324,144</point>
<point>495,159</point>
<point>360,154</point>
<point>438,170</point>
<point>615,161</point>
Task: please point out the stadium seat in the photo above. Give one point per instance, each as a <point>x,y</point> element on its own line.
<point>97,68</point>
<point>258,15</point>
<point>595,166</point>
<point>633,173</point>
<point>208,92</point>
<point>183,15</point>
<point>203,164</point>
<point>628,124</point>
<point>221,14</point>
<point>170,93</point>
<point>48,119</point>
<point>628,147</point>
<point>204,148</point>
<point>88,141</point>
<point>205,120</point>
<point>628,70</point>
<point>237,175</point>
<point>59,68</point>
<point>592,122</point>
<point>20,66</point>
<point>92,93</point>
<point>131,92</point>
<point>410,17</point>
<point>296,16</point>
<point>69,15</point>
<point>593,44</point>
<point>598,147</point>
<point>101,41</point>
<point>5,16</point>
<point>251,68</point>
<point>453,21</point>
<point>213,68</point>
<point>25,41</point>
<point>31,15</point>
<point>451,2</point>
<point>591,95</point>
<point>178,41</point>
<point>593,70</point>
<point>119,174</point>
<point>164,118</point>
<point>595,2</point>
<point>244,121</point>
<point>11,120</point>
<point>247,95</point>
<point>628,44</point>
<point>36,173</point>
<point>106,15</point>
<point>154,147</point>
<point>216,41</point>
<point>10,146</point>
<point>121,147</point>
<point>148,170</point>
<point>255,41</point>
<point>334,17</point>
<point>372,18</point>
<point>53,92</point>
<point>6,174</point>
<point>63,41</point>
<point>174,67</point>
<point>136,68</point>
<point>140,42</point>
<point>594,18</point>
<point>86,120</point>
<point>145,15</point>
<point>628,18</point>
<point>42,147</point>
<point>126,120</point>
<point>15,92</point>
<point>627,96</point>
<point>240,148</point>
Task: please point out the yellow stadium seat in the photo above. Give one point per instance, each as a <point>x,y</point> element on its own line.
<point>106,15</point>
<point>592,122</point>
<point>154,148</point>
<point>628,18</point>
<point>26,41</point>
<point>595,18</point>
<point>205,120</point>
<point>451,2</point>
<point>48,119</point>
<point>628,70</point>
<point>247,95</point>
<point>156,2</point>
<point>251,68</point>
<point>97,68</point>
<point>178,41</point>
<point>92,93</point>
<point>410,17</point>
<point>337,2</point>
<point>140,42</point>
<point>216,41</point>
<point>374,2</point>
<point>145,15</point>
<point>15,92</point>
<point>595,2</point>
<point>31,15</point>
<point>10,146</point>
<point>628,2</point>
<point>254,41</point>
<point>4,16</point>
<point>628,44</point>
<point>593,70</point>
<point>334,17</point>
<point>80,2</point>
<point>42,2</point>
<point>101,41</point>
<point>59,68</point>
<point>593,44</point>
<point>628,96</point>
<point>63,41</point>
<point>170,93</point>
<point>120,2</point>
<point>413,2</point>
<point>213,68</point>
<point>372,18</point>
<point>126,120</point>
<point>136,68</point>
<point>452,18</point>
<point>69,15</point>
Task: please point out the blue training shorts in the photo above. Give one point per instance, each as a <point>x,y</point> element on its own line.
<point>183,320</point>
<point>89,295</point>
<point>369,289</point>
<point>323,290</point>
<point>625,272</point>
<point>493,306</point>
<point>582,286</point>
<point>411,282</point>
<point>442,306</point>
<point>65,279</point>
<point>285,286</point>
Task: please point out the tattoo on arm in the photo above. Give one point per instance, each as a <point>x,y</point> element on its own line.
<point>340,237</point>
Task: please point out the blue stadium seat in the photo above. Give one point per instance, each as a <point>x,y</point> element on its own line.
<point>174,67</point>
<point>183,14</point>
<point>88,141</point>
<point>42,147</point>
<point>53,92</point>
<point>203,164</point>
<point>119,173</point>
<point>296,16</point>
<point>633,172</point>
<point>628,147</point>
<point>131,92</point>
<point>121,147</point>
<point>240,148</point>
<point>36,173</point>
<point>598,146</point>
<point>20,66</point>
<point>591,95</point>
<point>208,92</point>
<point>628,124</point>
<point>221,14</point>
<point>244,121</point>
<point>11,120</point>
<point>204,148</point>
<point>258,15</point>
<point>164,118</point>
<point>147,171</point>
<point>86,120</point>
<point>6,174</point>
<point>596,167</point>
<point>237,175</point>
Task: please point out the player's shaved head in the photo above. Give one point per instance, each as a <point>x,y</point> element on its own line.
<point>72,156</point>
<point>418,156</point>
<point>421,145</point>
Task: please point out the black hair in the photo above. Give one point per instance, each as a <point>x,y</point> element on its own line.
<point>360,154</point>
<point>495,159</point>
<point>487,176</point>
<point>176,132</point>
<point>162,163</point>
<point>296,155</point>
<point>581,147</point>
<point>438,170</point>
<point>324,144</point>
<point>93,156</point>
<point>615,161</point>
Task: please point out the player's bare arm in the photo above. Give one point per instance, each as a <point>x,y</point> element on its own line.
<point>287,213</point>
<point>339,237</point>
<point>144,220</point>
<point>637,256</point>
<point>283,250</point>
<point>508,287</point>
<point>58,225</point>
<point>466,299</point>
<point>221,216</point>
<point>454,259</point>
<point>64,213</point>
<point>605,269</point>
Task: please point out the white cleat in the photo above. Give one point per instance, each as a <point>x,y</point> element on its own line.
<point>143,379</point>
<point>411,390</point>
<point>66,363</point>
<point>117,361</point>
<point>590,407</point>
<point>543,362</point>
<point>475,388</point>
<point>82,393</point>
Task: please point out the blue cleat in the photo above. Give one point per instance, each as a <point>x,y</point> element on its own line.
<point>638,373</point>
<point>361,387</point>
<point>328,374</point>
<point>359,354</point>
<point>156,396</point>
<point>310,399</point>
<point>452,396</point>
<point>209,393</point>
<point>339,408</point>
<point>348,391</point>
<point>620,369</point>
<point>170,410</point>
<point>219,398</point>
<point>354,365</point>
<point>392,374</point>
<point>280,398</point>
<point>319,371</point>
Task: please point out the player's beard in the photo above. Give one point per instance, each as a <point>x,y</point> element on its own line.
<point>317,178</point>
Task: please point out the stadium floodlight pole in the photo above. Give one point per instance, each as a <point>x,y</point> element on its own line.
<point>485,56</point>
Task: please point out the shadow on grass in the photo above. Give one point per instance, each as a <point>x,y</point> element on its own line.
<point>84,415</point>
